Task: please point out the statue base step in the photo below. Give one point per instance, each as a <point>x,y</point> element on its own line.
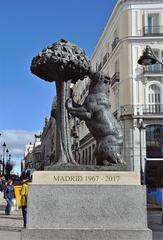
<point>85,234</point>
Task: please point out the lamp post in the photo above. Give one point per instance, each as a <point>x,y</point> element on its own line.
<point>141,127</point>
<point>148,57</point>
<point>4,147</point>
<point>7,154</point>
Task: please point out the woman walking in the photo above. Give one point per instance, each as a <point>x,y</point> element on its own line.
<point>8,195</point>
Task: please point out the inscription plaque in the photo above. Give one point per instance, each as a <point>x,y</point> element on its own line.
<point>86,178</point>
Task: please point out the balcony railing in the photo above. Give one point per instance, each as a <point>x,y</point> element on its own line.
<point>148,109</point>
<point>115,42</point>
<point>153,109</point>
<point>153,30</point>
<point>115,78</point>
<point>153,69</point>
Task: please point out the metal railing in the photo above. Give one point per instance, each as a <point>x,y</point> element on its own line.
<point>153,30</point>
<point>115,42</point>
<point>153,109</point>
<point>153,69</point>
<point>115,78</point>
<point>147,109</point>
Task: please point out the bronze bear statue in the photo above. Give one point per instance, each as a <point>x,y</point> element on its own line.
<point>96,112</point>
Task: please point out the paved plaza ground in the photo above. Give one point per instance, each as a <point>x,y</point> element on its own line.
<point>154,221</point>
<point>10,226</point>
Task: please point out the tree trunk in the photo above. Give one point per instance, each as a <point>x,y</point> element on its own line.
<point>63,144</point>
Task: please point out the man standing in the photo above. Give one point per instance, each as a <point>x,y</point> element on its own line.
<point>24,195</point>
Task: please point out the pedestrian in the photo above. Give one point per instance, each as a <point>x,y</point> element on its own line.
<point>24,196</point>
<point>8,195</point>
<point>1,184</point>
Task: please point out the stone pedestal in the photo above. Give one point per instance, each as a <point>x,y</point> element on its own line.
<point>86,212</point>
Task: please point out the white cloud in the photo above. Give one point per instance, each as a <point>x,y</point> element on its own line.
<point>16,141</point>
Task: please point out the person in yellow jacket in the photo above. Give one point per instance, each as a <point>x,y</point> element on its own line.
<point>24,196</point>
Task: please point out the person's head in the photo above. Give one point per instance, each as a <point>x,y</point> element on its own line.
<point>10,182</point>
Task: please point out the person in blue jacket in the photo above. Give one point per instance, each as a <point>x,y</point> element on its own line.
<point>8,195</point>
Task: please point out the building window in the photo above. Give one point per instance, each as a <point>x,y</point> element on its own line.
<point>116,39</point>
<point>90,155</point>
<point>154,98</point>
<point>115,78</point>
<point>105,58</point>
<point>83,156</point>
<point>152,25</point>
<point>93,157</point>
<point>154,141</point>
<point>153,19</point>
<point>116,66</point>
<point>153,22</point>
<point>86,156</point>
<point>99,66</point>
<point>79,159</point>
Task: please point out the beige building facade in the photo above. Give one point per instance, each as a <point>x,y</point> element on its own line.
<point>48,142</point>
<point>136,92</point>
<point>41,153</point>
<point>32,155</point>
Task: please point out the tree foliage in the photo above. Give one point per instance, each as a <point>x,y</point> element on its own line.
<point>61,61</point>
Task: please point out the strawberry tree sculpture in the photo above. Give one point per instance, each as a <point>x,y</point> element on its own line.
<point>64,63</point>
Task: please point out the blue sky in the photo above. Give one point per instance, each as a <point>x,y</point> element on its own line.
<point>26,27</point>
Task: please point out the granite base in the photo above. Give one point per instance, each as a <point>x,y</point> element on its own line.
<point>82,212</point>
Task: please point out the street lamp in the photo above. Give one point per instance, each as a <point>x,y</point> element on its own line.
<point>4,147</point>
<point>7,154</point>
<point>141,127</point>
<point>148,57</point>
